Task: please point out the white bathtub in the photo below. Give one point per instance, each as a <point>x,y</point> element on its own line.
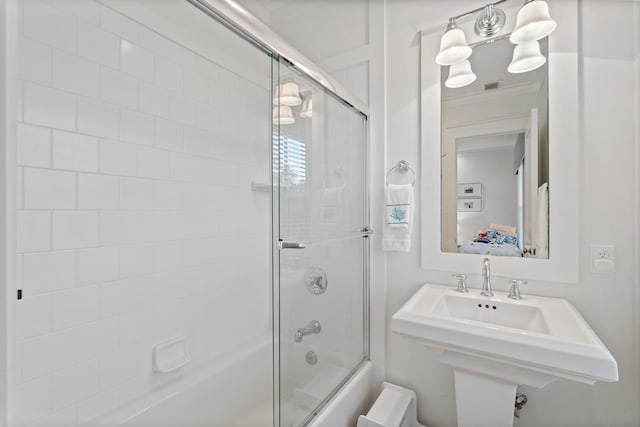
<point>354,398</point>
<point>234,393</point>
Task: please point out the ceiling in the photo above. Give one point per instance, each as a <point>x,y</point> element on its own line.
<point>487,142</point>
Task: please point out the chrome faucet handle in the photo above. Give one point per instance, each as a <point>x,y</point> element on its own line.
<point>462,282</point>
<point>514,290</point>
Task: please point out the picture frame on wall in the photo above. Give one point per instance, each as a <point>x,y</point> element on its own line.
<point>470,205</point>
<point>468,190</point>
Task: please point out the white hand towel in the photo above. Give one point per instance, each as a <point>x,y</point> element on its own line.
<point>398,218</point>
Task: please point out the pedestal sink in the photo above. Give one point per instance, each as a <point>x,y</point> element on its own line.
<point>495,344</point>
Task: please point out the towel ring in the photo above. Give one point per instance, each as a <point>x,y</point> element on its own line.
<point>403,167</point>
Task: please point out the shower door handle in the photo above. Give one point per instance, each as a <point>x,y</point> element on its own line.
<point>290,245</point>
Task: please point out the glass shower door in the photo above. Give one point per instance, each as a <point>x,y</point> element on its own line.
<point>320,262</point>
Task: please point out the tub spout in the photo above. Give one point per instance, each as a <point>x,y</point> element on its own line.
<point>312,327</point>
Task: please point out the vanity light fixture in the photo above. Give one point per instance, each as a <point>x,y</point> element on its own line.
<point>283,115</point>
<point>460,75</point>
<point>288,94</point>
<point>532,24</point>
<point>454,50</point>
<point>453,45</point>
<point>526,57</point>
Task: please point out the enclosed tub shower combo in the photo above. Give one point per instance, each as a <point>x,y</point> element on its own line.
<point>191,216</point>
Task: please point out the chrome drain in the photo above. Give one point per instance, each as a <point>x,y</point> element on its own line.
<point>311,357</point>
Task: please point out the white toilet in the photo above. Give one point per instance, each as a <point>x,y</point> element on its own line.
<point>395,407</point>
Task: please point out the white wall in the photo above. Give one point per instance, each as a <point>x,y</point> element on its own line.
<point>136,222</point>
<point>5,294</point>
<point>335,35</point>
<point>607,215</point>
<point>637,207</point>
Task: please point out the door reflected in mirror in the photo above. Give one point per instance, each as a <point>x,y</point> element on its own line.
<point>495,165</point>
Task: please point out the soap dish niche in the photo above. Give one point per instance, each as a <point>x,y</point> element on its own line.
<point>170,355</point>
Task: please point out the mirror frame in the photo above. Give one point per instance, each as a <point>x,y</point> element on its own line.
<point>564,132</point>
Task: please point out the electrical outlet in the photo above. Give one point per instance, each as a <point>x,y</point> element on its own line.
<point>603,259</point>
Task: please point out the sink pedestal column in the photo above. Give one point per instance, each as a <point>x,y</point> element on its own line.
<point>486,388</point>
<point>482,401</point>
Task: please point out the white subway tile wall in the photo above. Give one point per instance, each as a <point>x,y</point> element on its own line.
<point>136,222</point>
<point>34,146</point>
<point>75,152</point>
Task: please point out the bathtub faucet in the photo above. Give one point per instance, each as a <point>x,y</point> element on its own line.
<point>312,327</point>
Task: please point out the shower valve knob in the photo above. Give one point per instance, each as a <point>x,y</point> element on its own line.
<point>315,280</point>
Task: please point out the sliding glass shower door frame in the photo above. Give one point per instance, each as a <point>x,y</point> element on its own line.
<point>250,29</point>
<point>296,225</point>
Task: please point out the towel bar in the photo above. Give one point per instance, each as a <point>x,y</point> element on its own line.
<point>403,167</point>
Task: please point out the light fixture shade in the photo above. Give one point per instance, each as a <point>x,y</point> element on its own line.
<point>288,94</point>
<point>533,22</point>
<point>453,47</point>
<point>307,108</point>
<point>283,115</point>
<point>460,75</point>
<point>526,57</point>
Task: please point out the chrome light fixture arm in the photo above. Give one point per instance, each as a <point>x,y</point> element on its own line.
<point>462,15</point>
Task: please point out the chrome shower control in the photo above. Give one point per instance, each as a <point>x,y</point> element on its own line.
<point>315,280</point>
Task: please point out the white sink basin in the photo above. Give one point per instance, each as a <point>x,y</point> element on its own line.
<point>519,316</point>
<point>543,335</point>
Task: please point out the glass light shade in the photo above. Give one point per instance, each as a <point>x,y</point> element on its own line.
<point>453,47</point>
<point>526,57</point>
<point>283,115</point>
<point>532,23</point>
<point>288,94</point>
<point>307,108</point>
<point>460,75</point>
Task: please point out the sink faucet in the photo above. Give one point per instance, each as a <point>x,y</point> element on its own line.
<point>312,327</point>
<point>486,279</point>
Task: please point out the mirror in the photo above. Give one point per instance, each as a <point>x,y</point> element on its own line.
<point>561,266</point>
<point>495,158</point>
